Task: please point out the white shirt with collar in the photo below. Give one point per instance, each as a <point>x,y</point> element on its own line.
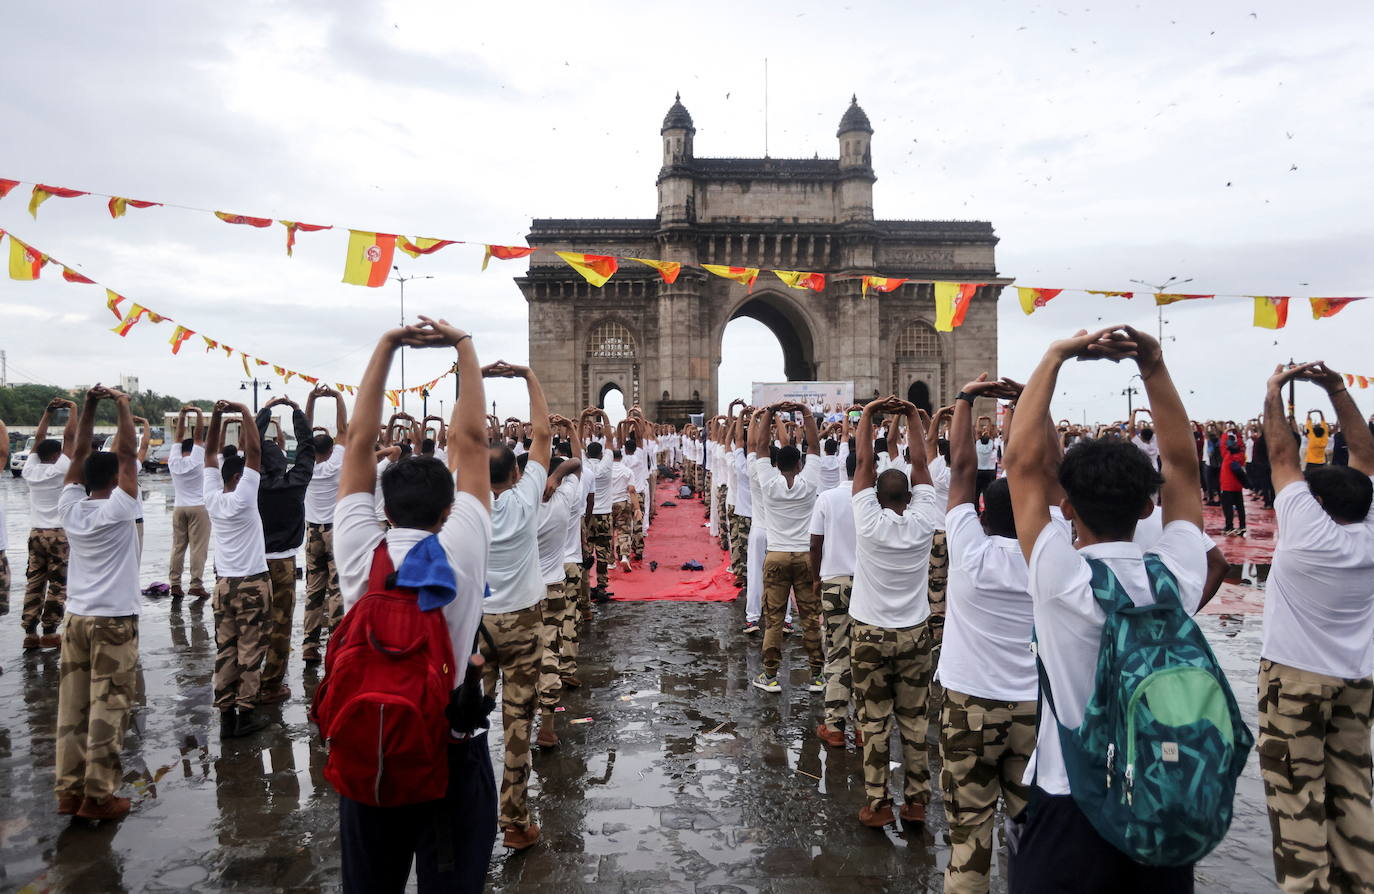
<point>892,556</point>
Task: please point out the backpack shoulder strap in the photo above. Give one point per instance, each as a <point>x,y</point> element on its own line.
<point>1163,584</point>
<point>378,577</point>
<point>1107,590</point>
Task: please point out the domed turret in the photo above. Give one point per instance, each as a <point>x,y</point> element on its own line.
<point>856,164</point>
<point>854,120</point>
<point>678,118</point>
<point>675,190</point>
<point>677,134</point>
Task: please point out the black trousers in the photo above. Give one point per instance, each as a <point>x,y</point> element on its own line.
<point>450,840</point>
<point>1059,851</point>
<point>985,477</point>
<point>1233,501</point>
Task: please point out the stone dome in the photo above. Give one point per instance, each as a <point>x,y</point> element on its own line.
<point>679,117</point>
<point>854,119</point>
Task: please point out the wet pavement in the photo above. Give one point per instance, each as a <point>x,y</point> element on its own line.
<point>685,780</point>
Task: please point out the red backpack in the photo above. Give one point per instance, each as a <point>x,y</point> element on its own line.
<point>388,675</point>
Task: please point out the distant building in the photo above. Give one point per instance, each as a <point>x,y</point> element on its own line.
<point>129,384</point>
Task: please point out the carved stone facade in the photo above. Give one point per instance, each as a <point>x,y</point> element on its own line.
<point>660,344</point>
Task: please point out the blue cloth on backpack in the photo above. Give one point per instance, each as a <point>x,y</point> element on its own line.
<point>427,570</point>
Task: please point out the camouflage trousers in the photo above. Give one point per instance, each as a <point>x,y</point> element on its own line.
<point>599,538</point>
<point>740,526</point>
<point>4,583</point>
<point>517,659</point>
<point>723,514</point>
<point>323,603</point>
<point>637,528</point>
<point>551,646</point>
<point>784,574</point>
<point>622,517</point>
<point>574,595</point>
<point>839,680</point>
<point>240,605</point>
<point>45,587</point>
<point>937,578</point>
<point>99,667</point>
<point>891,669</point>
<point>281,606</point>
<point>1314,757</point>
<point>984,748</point>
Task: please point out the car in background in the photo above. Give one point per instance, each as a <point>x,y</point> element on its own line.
<point>18,457</point>
<point>157,458</point>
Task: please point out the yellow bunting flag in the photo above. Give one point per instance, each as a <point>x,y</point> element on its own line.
<point>666,269</point>
<point>6,186</point>
<point>1162,298</point>
<point>112,301</point>
<point>505,253</point>
<point>1321,307</point>
<point>228,351</point>
<point>293,225</point>
<point>25,260</point>
<point>261,362</point>
<point>244,219</point>
<point>880,284</point>
<point>796,279</point>
<point>369,258</point>
<point>422,246</point>
<point>394,397</point>
<point>42,192</point>
<point>1271,312</point>
<point>1364,381</point>
<point>179,338</point>
<point>119,205</point>
<point>742,275</point>
<point>595,269</point>
<point>136,312</point>
<point>1126,295</point>
<point>210,343</point>
<point>1035,298</point>
<point>71,275</point>
<point>952,300</point>
<point>246,371</point>
<point>310,380</point>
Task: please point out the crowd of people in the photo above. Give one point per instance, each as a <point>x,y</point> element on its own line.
<point>1026,585</point>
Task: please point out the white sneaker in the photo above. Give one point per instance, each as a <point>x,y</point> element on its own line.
<point>625,563</point>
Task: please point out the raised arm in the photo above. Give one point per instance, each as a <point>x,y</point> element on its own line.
<point>69,432</point>
<point>866,464</point>
<point>143,440</point>
<point>541,433</point>
<point>813,441</point>
<point>215,434</point>
<point>920,472</point>
<point>129,457</point>
<point>40,434</point>
<point>1173,434</point>
<point>250,439</point>
<point>1358,437</point>
<point>180,434</point>
<point>81,439</point>
<point>467,436</point>
<point>359,472</point>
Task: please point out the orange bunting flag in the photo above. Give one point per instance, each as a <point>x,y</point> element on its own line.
<point>1364,381</point>
<point>394,397</point>
<point>312,380</point>
<point>1034,298</point>
<point>136,312</point>
<point>795,279</point>
<point>742,275</point>
<point>6,186</point>
<point>71,275</point>
<point>952,300</point>
<point>25,260</point>
<point>42,193</point>
<point>179,338</point>
<point>119,205</point>
<point>228,351</point>
<point>369,258</point>
<point>244,219</point>
<point>882,284</point>
<point>595,269</point>
<point>1162,298</point>
<point>505,253</point>
<point>422,245</point>
<point>261,362</point>
<point>1126,295</point>
<point>1349,379</point>
<point>292,226</point>
<point>112,301</point>
<point>210,343</point>
<point>1271,312</point>
<point>667,269</point>
<point>1321,307</point>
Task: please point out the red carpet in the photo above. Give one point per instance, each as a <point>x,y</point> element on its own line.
<point>677,536</point>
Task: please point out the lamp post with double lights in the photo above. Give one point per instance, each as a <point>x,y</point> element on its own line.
<point>256,383</point>
<point>403,280</point>
<point>1158,288</point>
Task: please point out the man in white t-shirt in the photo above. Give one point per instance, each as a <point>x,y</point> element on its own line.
<point>758,528</point>
<point>190,521</point>
<point>832,566</point>
<point>243,588</point>
<point>513,612</point>
<point>561,494</point>
<point>1316,679</point>
<point>323,603</point>
<point>625,507</point>
<point>575,591</point>
<point>599,528</point>
<point>894,521</point>
<point>45,587</point>
<point>1060,850</point>
<point>742,515</point>
<point>419,498</point>
<point>97,507</point>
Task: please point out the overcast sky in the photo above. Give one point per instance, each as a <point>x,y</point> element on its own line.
<point>1106,142</point>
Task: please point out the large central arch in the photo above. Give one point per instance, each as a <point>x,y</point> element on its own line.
<point>788,321</point>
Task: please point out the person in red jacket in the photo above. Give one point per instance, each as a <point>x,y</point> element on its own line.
<point>1233,485</point>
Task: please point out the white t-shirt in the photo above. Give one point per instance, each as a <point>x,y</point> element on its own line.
<point>831,468</point>
<point>622,479</point>
<point>554,518</point>
<point>833,519</point>
<point>572,549</point>
<point>464,537</point>
<point>323,490</point>
<point>102,571</point>
<point>760,517</point>
<point>235,525</point>
<point>1149,530</point>
<point>1068,621</point>
<point>1319,604</point>
<point>744,490</point>
<point>1149,448</point>
<point>187,473</point>
<point>987,454</point>
<point>45,486</point>
<point>939,479</point>
<point>600,472</point>
<point>788,508</point>
<point>989,615</point>
<point>513,557</point>
<point>892,555</point>
<point>639,471</point>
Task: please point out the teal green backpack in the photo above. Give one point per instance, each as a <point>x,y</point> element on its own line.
<point>1155,761</point>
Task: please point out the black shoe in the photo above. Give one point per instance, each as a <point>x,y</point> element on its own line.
<point>228,723</point>
<point>600,596</point>
<point>248,723</point>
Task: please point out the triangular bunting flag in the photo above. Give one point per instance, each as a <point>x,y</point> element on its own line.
<point>595,269</point>
<point>293,225</point>
<point>136,312</point>
<point>1321,307</point>
<point>71,275</point>
<point>743,275</point>
<point>952,300</point>
<point>666,269</point>
<point>244,219</point>
<point>880,284</point>
<point>6,186</point>
<point>119,205</point>
<point>1034,298</point>
<point>1162,298</point>
<point>369,258</point>
<point>41,193</point>
<point>504,253</point>
<point>796,279</point>
<point>1126,295</point>
<point>310,380</point>
<point>179,338</point>
<point>112,301</point>
<point>1363,380</point>
<point>1271,312</point>
<point>246,371</point>
<point>210,343</point>
<point>422,245</point>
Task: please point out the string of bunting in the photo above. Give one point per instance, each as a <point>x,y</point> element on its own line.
<point>25,262</point>
<point>370,254</point>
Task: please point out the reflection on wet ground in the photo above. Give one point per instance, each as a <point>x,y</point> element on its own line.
<point>686,780</point>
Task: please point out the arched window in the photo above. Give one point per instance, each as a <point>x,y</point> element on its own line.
<point>918,341</point>
<point>610,341</point>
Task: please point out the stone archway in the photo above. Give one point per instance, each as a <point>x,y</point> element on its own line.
<point>789,323</point>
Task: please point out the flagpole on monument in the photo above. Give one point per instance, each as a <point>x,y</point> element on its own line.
<point>403,280</point>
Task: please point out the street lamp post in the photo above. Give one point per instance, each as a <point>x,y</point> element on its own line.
<point>1160,287</point>
<point>403,280</point>
<point>256,383</point>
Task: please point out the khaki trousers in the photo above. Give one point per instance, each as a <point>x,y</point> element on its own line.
<point>190,530</point>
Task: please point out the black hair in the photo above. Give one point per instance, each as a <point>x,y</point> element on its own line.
<point>1109,483</point>
<point>893,486</point>
<point>563,448</point>
<point>1344,493</point>
<point>48,449</point>
<point>851,464</point>
<point>527,442</point>
<point>1318,430</point>
<point>501,462</point>
<point>594,450</point>
<point>187,445</point>
<point>554,462</point>
<point>231,467</point>
<point>101,471</point>
<point>789,458</point>
<point>1147,435</point>
<point>997,511</point>
<point>427,446</point>
<point>773,455</point>
<point>228,451</point>
<point>832,446</point>
<point>405,448</point>
<point>631,446</point>
<point>880,445</point>
<point>416,492</point>
<point>942,444</point>
<point>617,455</point>
<point>522,461</point>
<point>323,445</point>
